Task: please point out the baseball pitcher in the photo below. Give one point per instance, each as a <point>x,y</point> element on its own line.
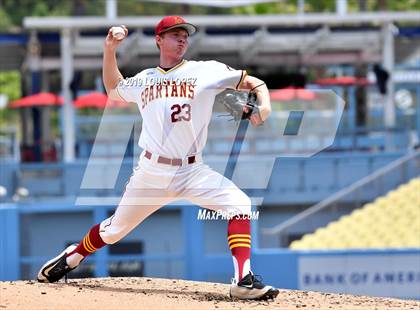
<point>175,100</point>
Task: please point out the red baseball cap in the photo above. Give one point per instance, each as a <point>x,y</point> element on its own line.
<point>171,22</point>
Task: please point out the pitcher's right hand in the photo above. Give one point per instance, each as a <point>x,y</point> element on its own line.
<point>111,42</point>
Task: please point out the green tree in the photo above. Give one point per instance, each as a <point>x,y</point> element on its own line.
<point>10,84</point>
<point>412,5</point>
<point>12,12</point>
<point>5,22</point>
<point>16,10</point>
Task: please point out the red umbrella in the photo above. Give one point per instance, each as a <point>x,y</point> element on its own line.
<point>97,100</point>
<point>286,94</point>
<point>41,99</point>
<point>343,80</point>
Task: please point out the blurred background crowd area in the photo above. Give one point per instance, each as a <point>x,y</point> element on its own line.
<point>367,60</point>
<point>347,187</point>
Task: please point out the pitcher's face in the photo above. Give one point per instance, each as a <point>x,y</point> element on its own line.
<point>173,42</point>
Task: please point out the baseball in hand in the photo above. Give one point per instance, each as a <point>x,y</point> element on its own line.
<point>118,32</point>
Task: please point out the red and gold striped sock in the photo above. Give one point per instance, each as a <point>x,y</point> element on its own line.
<point>90,243</point>
<point>239,240</point>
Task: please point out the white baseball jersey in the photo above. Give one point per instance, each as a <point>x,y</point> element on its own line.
<point>176,105</point>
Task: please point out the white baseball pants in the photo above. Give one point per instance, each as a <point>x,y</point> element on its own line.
<point>153,185</point>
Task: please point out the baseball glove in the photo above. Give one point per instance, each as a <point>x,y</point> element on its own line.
<point>240,105</point>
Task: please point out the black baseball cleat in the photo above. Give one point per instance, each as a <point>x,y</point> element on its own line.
<point>251,287</point>
<point>56,268</point>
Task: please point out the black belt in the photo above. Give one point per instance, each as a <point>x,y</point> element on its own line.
<point>170,161</point>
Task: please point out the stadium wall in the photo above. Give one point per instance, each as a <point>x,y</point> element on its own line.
<point>196,250</point>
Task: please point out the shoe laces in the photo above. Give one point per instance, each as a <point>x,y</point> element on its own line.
<point>58,270</point>
<point>256,278</point>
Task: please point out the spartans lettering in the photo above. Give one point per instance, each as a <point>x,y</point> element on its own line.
<point>167,90</point>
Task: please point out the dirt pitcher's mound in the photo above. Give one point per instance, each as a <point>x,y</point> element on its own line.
<point>147,293</point>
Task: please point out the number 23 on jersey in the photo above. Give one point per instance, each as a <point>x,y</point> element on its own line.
<point>181,112</point>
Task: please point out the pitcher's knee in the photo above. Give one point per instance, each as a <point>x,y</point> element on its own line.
<point>110,232</point>
<point>110,237</point>
<point>243,204</point>
<point>246,207</point>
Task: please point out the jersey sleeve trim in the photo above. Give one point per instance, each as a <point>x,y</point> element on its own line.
<point>243,76</point>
